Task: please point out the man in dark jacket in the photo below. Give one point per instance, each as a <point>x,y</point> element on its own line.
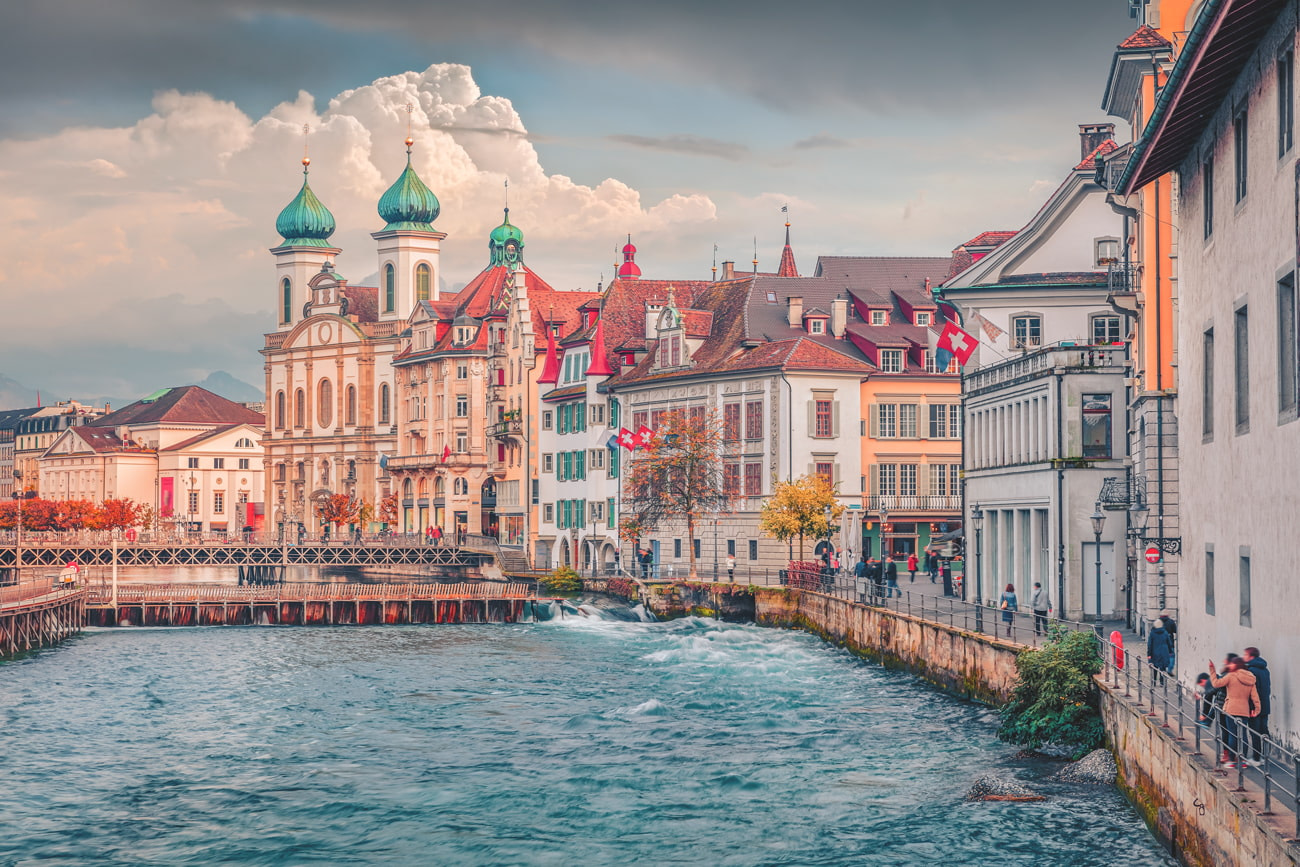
<point>1160,646</point>
<point>1263,682</point>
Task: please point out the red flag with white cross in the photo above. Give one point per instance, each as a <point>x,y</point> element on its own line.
<point>644,437</point>
<point>627,439</point>
<point>958,343</point>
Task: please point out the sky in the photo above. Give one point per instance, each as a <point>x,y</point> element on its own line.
<point>146,147</point>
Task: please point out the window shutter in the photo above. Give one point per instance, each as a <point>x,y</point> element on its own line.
<point>812,418</point>
<point>874,416</point>
<point>835,418</point>
<point>923,479</point>
<point>874,488</point>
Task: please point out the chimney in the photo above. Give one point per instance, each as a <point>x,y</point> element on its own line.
<point>794,311</point>
<point>839,316</point>
<point>728,270</point>
<point>1093,134</point>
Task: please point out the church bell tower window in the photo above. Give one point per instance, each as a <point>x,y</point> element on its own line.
<point>422,283</point>
<point>390,289</point>
<point>286,302</point>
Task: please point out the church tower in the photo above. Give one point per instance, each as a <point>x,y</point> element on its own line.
<point>409,266</point>
<point>305,225</point>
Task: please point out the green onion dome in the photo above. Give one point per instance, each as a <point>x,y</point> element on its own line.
<point>408,203</point>
<point>506,243</point>
<point>305,222</point>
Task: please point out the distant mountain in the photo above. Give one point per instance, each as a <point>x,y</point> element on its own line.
<point>15,395</point>
<point>222,383</point>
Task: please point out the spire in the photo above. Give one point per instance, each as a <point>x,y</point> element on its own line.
<point>408,204</point>
<point>787,268</point>
<point>629,270</point>
<point>551,368</point>
<point>305,222</point>
<point>506,243</point>
<point>599,359</point>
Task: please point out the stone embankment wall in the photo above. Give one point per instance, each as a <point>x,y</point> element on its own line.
<point>1191,809</point>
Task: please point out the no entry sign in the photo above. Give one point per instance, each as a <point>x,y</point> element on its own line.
<point>1153,554</point>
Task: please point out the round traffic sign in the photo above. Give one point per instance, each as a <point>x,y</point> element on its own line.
<point>1153,554</point>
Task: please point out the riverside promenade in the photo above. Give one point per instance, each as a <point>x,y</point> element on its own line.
<point>35,614</point>
<point>1170,761</point>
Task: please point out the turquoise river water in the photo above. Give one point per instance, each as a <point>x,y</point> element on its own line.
<point>578,741</point>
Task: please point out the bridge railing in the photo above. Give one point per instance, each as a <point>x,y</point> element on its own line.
<point>34,588</point>
<point>163,594</point>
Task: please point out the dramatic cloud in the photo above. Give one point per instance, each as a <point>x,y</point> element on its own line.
<point>141,251</point>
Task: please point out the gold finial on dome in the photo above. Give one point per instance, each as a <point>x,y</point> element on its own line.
<point>306,160</point>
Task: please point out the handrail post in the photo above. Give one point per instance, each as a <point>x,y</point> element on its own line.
<point>1295,783</point>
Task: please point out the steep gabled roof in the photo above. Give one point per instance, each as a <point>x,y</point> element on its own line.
<point>884,274</point>
<point>188,404</point>
<point>1146,37</point>
<point>1090,161</point>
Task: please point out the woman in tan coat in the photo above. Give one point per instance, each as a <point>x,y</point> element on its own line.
<point>1240,704</point>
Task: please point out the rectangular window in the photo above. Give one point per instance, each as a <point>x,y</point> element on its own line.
<point>677,549</point>
<point>907,480</point>
<point>462,442</point>
<point>193,501</point>
<point>697,549</point>
<point>564,514</point>
<point>1207,385</point>
<point>1096,426</point>
<point>939,420</point>
<point>1285,101</point>
<point>192,463</point>
<point>1107,250</point>
<point>754,420</point>
<point>462,370</point>
<point>462,406</point>
<point>640,420</point>
<point>879,317</point>
<point>548,420</point>
<point>817,326</point>
<point>579,416</point>
<point>597,413</point>
<point>1105,329</point>
<point>753,480</point>
<point>695,414</point>
<point>824,419</point>
<point>580,464</point>
<point>1241,368</point>
<point>731,547</point>
<point>891,361</point>
<point>1209,581</point>
<point>887,426</point>
<point>548,462</point>
<point>1207,196</point>
<point>922,317</point>
<point>597,459</point>
<point>218,463</point>
<point>1244,574</point>
<point>731,422</point>
<point>548,513</point>
<point>597,511</point>
<point>609,513</point>
<point>888,480</point>
<point>753,549</point>
<point>218,504</point>
<point>1288,354</point>
<point>826,470</point>
<point>566,466</point>
<point>1026,332</point>
<point>907,421</point>
<point>243,463</point>
<point>1239,142</point>
<point>562,419</point>
<point>731,478</point>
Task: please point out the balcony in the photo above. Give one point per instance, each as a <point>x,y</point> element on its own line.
<point>1064,357</point>
<point>435,461</point>
<point>511,427</point>
<point>497,349</point>
<point>900,503</point>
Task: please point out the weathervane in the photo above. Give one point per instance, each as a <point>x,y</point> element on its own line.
<point>409,108</point>
<point>306,160</point>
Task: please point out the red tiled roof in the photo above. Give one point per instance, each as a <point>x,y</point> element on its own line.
<point>98,439</point>
<point>992,238</point>
<point>1090,161</point>
<point>566,392</point>
<point>188,404</point>
<point>1146,37</point>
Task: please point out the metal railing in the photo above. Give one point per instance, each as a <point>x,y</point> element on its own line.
<point>162,594</point>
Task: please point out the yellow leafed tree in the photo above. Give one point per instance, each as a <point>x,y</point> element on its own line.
<point>798,509</point>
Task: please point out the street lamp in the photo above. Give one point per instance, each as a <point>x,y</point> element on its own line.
<point>977,521</point>
<point>715,548</point>
<point>1098,522</point>
<point>884,519</point>
<point>1137,526</point>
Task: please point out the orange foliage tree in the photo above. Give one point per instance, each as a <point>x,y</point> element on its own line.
<point>339,509</point>
<point>388,509</point>
<point>119,514</point>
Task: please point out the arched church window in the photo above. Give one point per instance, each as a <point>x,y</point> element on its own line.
<point>286,302</point>
<point>352,405</point>
<point>422,283</point>
<point>390,289</point>
<point>299,408</point>
<point>279,410</point>
<point>439,487</point>
<point>383,403</point>
<point>325,402</point>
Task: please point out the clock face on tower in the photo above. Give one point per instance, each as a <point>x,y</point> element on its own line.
<point>512,252</point>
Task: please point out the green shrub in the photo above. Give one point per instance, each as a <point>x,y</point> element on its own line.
<point>561,580</point>
<point>1055,698</point>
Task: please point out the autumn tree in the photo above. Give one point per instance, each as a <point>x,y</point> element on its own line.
<point>338,509</point>
<point>388,509</point>
<point>118,514</point>
<point>798,509</point>
<point>678,476</point>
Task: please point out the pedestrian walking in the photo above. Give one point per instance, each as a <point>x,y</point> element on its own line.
<point>876,574</point>
<point>1211,701</point>
<point>1240,705</point>
<point>1009,607</point>
<point>1171,626</point>
<point>1264,685</point>
<point>647,564</point>
<point>731,567</point>
<point>891,577</point>
<point>932,565</point>
<point>1041,606</point>
<point>862,582</point>
<point>1160,646</point>
<point>912,563</point>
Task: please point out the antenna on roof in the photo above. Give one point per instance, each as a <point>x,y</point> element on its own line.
<point>715,261</point>
<point>755,254</point>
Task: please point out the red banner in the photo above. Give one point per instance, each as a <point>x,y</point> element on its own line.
<point>166,496</point>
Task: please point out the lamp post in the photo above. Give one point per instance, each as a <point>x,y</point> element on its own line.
<point>1098,522</point>
<point>715,548</point>
<point>884,521</point>
<point>977,521</point>
<point>1137,520</point>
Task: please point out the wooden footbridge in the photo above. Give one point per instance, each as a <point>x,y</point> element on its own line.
<point>33,615</point>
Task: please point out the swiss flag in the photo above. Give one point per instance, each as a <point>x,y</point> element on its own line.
<point>446,453</point>
<point>953,342</point>
<point>644,436</point>
<point>626,439</point>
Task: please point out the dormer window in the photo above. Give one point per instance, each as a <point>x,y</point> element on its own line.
<point>464,334</point>
<point>891,361</point>
<point>922,317</point>
<point>879,317</point>
<point>816,326</point>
